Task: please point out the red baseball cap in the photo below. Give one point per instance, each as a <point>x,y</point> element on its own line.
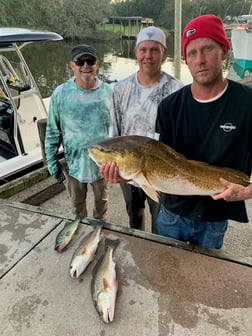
<point>208,25</point>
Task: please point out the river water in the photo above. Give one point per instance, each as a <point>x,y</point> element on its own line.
<point>49,62</point>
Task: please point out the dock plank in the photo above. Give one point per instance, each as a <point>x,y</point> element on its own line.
<point>20,231</point>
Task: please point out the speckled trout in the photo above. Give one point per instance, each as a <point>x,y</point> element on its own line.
<point>104,283</point>
<point>65,236</point>
<point>85,253</point>
<point>157,167</point>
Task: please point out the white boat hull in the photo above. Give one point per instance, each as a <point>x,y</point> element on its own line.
<point>19,163</point>
<point>241,39</point>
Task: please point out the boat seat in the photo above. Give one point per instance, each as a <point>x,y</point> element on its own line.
<point>7,144</point>
<point>6,114</point>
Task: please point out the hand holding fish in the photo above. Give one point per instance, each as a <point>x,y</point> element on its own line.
<point>110,172</point>
<point>234,192</point>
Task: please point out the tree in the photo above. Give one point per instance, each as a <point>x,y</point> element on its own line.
<point>79,18</point>
<point>76,18</point>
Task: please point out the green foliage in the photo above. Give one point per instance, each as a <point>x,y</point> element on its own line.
<point>83,18</point>
<point>163,11</point>
<point>71,18</point>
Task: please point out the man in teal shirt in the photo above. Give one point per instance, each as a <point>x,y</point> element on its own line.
<point>80,113</point>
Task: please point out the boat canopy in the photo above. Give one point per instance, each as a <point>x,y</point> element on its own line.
<point>11,35</point>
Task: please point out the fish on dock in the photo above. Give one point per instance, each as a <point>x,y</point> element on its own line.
<point>157,167</point>
<point>66,234</point>
<point>85,253</point>
<point>104,284</point>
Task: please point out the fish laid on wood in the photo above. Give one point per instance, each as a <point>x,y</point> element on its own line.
<point>157,167</point>
<point>66,234</point>
<point>85,253</point>
<point>104,283</point>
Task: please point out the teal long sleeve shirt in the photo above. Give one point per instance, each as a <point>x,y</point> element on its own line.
<point>77,118</point>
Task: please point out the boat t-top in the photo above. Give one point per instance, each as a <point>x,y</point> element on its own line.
<point>21,104</point>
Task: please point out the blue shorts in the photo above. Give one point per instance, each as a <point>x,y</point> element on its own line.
<point>208,234</point>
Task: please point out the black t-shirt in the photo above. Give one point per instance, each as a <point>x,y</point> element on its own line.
<point>217,132</point>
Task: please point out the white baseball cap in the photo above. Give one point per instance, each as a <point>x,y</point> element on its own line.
<point>151,33</point>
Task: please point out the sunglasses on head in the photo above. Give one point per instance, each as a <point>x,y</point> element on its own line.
<point>81,62</point>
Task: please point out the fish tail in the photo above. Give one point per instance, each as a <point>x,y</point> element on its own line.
<point>78,217</point>
<point>94,222</point>
<point>111,242</point>
<point>76,221</point>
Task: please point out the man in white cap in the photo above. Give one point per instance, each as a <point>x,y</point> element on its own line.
<point>136,100</point>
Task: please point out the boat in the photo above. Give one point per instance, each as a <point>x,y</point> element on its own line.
<point>241,40</point>
<point>21,104</point>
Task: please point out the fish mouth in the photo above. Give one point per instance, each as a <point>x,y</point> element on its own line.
<point>59,246</point>
<point>99,155</point>
<point>74,274</point>
<point>94,158</point>
<point>56,248</point>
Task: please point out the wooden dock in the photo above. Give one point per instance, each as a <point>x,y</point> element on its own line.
<point>131,25</point>
<point>128,36</point>
<point>162,288</point>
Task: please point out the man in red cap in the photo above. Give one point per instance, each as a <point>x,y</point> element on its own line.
<point>209,120</point>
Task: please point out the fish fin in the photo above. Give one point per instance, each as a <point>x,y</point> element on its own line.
<point>75,223</point>
<point>105,283</point>
<point>112,299</point>
<point>78,218</point>
<point>68,233</point>
<point>116,284</point>
<point>147,187</point>
<point>233,175</point>
<point>93,222</point>
<point>84,250</point>
<point>152,193</point>
<point>111,312</point>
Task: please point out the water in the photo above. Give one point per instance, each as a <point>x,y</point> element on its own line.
<point>49,62</point>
